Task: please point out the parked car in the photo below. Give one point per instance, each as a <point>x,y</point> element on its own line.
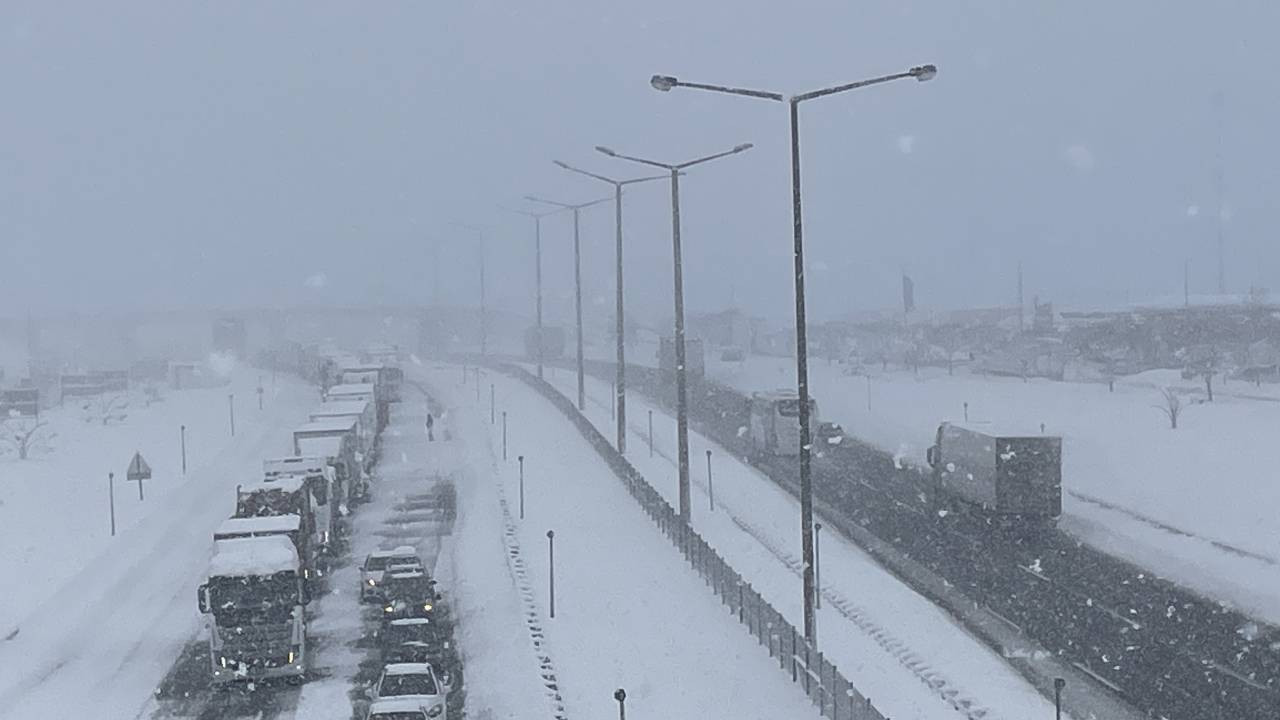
<point>375,568</point>
<point>416,683</point>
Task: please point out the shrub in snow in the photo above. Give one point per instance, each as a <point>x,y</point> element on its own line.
<point>1172,407</point>
<point>106,409</point>
<point>22,435</point>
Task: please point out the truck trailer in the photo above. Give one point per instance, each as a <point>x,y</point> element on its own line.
<point>1008,474</point>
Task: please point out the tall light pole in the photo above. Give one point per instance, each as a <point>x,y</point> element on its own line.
<point>620,374</point>
<point>682,397</point>
<point>484,320</point>
<point>666,83</point>
<point>537,275</point>
<point>577,281</point>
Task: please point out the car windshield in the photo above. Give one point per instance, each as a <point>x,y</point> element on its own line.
<point>237,596</point>
<point>412,587</point>
<point>407,684</point>
<point>376,562</point>
<point>398,715</point>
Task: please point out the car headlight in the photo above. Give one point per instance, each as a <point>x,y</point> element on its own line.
<point>389,608</point>
<point>426,606</point>
<point>435,711</point>
<point>372,582</point>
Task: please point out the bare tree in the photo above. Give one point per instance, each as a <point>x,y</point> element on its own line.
<point>26,434</point>
<point>1172,407</point>
<point>106,408</point>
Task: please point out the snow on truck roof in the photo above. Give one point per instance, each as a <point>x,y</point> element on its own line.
<point>244,557</point>
<point>326,425</point>
<point>283,483</point>
<point>999,430</point>
<point>263,524</point>
<point>350,389</point>
<point>329,446</point>
<point>340,407</point>
<point>308,465</point>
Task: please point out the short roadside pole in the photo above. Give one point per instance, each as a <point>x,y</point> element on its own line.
<point>231,410</point>
<point>1058,685</point>
<point>504,435</point>
<point>139,470</point>
<point>491,404</point>
<point>182,433</point>
<point>521,459</point>
<point>551,568</point>
<point>711,489</point>
<point>621,696</point>
<point>260,391</point>
<point>111,499</point>
<point>650,433</point>
<point>817,577</point>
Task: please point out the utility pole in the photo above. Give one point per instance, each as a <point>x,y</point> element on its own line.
<point>1219,102</point>
<point>1020,307</point>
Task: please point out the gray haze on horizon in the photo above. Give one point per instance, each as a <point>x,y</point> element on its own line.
<point>161,154</point>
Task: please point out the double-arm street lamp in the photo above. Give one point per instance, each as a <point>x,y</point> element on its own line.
<point>620,374</point>
<point>537,274</point>
<point>666,83</point>
<point>682,407</point>
<point>577,282</point>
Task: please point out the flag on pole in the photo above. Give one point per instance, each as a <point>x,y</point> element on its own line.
<point>908,294</point>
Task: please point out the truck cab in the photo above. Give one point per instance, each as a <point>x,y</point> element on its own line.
<point>253,599</point>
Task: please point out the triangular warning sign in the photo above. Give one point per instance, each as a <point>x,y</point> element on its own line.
<point>138,468</point>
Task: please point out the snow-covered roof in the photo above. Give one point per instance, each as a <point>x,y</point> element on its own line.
<point>244,557</point>
<point>350,389</point>
<point>408,575</point>
<point>404,704</point>
<point>399,551</point>
<point>363,367</point>
<point>283,483</point>
<point>1001,429</point>
<point>340,407</point>
<point>307,465</point>
<point>779,394</point>
<point>329,446</point>
<point>407,669</point>
<point>262,524</point>
<point>329,424</point>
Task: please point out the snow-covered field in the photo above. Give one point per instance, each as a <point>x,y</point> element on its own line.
<point>895,646</point>
<point>1213,479</point>
<point>629,612</point>
<point>92,622</point>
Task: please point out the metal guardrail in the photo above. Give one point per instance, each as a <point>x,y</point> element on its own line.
<point>835,696</point>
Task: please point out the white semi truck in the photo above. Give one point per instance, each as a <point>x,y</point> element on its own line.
<point>253,600</point>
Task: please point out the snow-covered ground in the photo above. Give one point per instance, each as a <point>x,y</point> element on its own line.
<point>1196,504</point>
<point>92,623</point>
<point>54,506</point>
<point>629,612</point>
<point>895,646</point>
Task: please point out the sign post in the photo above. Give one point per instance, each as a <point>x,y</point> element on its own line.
<point>182,431</point>
<point>111,498</point>
<point>138,470</point>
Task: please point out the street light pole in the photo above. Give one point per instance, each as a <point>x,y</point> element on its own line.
<point>577,284</point>
<point>620,372</point>
<point>682,397</point>
<point>537,277</point>
<point>665,83</point>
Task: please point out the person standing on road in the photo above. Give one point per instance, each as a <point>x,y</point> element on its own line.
<point>431,424</point>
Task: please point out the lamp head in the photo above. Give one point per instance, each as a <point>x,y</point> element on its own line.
<point>606,151</point>
<point>743,146</point>
<point>663,82</point>
<point>924,73</point>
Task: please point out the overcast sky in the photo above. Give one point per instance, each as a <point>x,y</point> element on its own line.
<point>240,153</point>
